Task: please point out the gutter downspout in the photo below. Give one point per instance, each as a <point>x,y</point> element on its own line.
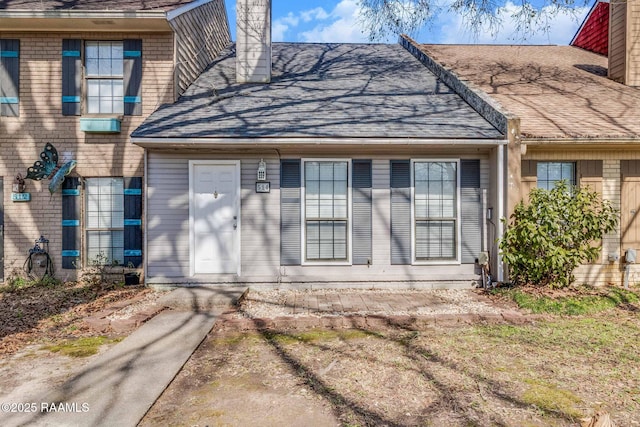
<point>145,254</point>
<point>501,185</point>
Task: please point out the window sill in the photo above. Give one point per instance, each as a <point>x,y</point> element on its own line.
<point>100,124</point>
<point>325,263</point>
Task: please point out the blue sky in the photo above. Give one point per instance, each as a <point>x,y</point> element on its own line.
<point>337,21</point>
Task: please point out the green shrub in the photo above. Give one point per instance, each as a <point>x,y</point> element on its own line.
<point>553,234</point>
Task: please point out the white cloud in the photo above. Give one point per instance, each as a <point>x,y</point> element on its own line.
<point>314,14</point>
<point>450,28</point>
<point>281,25</point>
<point>290,19</point>
<point>341,26</point>
<point>278,29</point>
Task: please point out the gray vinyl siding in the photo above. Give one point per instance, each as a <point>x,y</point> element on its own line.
<point>260,226</point>
<point>168,216</point>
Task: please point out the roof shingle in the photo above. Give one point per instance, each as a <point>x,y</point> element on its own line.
<point>557,91</point>
<point>323,91</point>
<point>91,5</point>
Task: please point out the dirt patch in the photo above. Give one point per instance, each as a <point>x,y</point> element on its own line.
<point>550,373</point>
<point>34,317</point>
<point>40,313</point>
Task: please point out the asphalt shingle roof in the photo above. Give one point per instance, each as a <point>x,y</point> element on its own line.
<point>557,91</point>
<point>324,91</point>
<point>92,5</point>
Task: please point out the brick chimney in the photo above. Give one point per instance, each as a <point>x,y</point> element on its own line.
<point>253,41</point>
<point>624,41</point>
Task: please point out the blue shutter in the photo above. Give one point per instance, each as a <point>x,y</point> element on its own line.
<point>400,212</point>
<point>132,74</point>
<point>290,249</point>
<point>9,77</point>
<point>71,77</point>
<point>361,190</point>
<point>71,231</point>
<point>133,221</point>
<point>471,214</point>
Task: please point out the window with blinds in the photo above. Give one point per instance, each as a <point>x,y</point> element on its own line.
<point>326,210</point>
<point>435,210</point>
<point>104,222</point>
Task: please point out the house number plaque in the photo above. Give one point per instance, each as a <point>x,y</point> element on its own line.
<point>263,187</point>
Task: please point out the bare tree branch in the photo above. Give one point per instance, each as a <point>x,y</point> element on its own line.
<point>381,18</point>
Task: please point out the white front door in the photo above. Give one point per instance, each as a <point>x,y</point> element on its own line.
<point>215,217</point>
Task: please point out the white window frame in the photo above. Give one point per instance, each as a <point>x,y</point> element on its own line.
<point>303,208</point>
<point>92,77</point>
<point>87,229</point>
<point>458,231</point>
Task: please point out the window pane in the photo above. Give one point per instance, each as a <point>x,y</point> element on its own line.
<point>92,67</point>
<point>326,171</point>
<point>549,173</point>
<point>312,171</point>
<point>340,171</point>
<point>116,87</point>
<point>93,88</point>
<point>91,50</point>
<point>435,240</point>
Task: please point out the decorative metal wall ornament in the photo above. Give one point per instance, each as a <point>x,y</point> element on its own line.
<point>47,167</point>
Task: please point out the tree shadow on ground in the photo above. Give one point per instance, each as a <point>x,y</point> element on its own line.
<point>426,362</point>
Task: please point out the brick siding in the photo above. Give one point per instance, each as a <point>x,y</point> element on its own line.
<point>23,138</point>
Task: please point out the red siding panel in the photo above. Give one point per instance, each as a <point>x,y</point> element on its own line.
<point>593,35</point>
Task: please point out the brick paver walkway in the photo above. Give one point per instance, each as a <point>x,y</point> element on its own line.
<point>349,308</point>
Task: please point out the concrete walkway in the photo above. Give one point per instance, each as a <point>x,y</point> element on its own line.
<point>119,387</point>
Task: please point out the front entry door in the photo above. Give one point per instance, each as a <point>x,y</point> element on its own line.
<point>215,217</point>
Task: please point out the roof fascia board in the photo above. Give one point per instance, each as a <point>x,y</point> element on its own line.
<point>486,106</point>
<point>581,141</point>
<point>308,142</point>
<point>172,14</point>
<point>84,14</point>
